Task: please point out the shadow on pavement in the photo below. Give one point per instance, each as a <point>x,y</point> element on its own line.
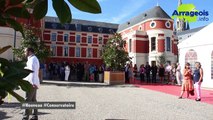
<point>43,113</point>
<point>87,84</point>
<point>102,86</point>
<point>115,119</point>
<point>3,116</point>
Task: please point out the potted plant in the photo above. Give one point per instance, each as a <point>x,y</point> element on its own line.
<point>115,57</point>
<point>11,75</point>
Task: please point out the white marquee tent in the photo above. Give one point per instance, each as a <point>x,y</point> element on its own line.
<point>199,47</point>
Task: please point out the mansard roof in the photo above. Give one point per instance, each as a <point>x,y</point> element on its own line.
<point>190,31</point>
<point>81,25</point>
<point>156,12</point>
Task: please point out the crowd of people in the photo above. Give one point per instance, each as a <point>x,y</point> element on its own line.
<point>64,71</point>
<point>163,74</point>
<point>73,72</point>
<point>169,74</point>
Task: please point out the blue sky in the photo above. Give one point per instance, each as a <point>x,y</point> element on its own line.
<point>120,11</point>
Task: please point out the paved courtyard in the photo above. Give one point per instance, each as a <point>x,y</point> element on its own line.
<point>101,102</point>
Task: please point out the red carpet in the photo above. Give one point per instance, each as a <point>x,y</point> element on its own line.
<point>207,95</point>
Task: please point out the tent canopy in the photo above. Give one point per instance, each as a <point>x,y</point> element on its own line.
<point>201,38</point>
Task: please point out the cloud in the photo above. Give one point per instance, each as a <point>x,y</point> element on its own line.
<point>127,10</point>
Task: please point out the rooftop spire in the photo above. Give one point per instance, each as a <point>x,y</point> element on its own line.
<point>179,2</point>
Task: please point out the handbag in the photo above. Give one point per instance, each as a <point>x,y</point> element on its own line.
<point>192,93</point>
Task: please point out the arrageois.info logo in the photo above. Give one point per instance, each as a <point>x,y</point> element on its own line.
<point>187,12</point>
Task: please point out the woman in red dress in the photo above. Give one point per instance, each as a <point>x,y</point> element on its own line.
<point>187,81</point>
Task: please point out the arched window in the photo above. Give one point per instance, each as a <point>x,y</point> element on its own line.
<point>191,57</point>
<point>212,66</point>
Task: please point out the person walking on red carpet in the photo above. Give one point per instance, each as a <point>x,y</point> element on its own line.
<point>187,81</point>
<point>198,78</point>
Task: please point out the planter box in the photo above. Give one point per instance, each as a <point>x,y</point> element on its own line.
<point>114,77</point>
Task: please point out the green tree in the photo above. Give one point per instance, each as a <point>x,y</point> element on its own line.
<point>161,59</point>
<point>32,40</point>
<point>114,55</point>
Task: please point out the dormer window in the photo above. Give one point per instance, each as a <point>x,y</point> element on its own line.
<point>54,25</point>
<point>100,30</point>
<point>128,23</point>
<point>140,28</point>
<point>66,26</point>
<point>78,27</point>
<point>111,30</point>
<point>89,29</point>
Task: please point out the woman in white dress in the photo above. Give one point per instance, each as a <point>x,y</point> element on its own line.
<point>67,72</point>
<point>178,74</point>
<point>100,73</point>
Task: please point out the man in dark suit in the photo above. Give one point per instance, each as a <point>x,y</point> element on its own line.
<point>127,73</point>
<point>154,70</point>
<point>148,69</point>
